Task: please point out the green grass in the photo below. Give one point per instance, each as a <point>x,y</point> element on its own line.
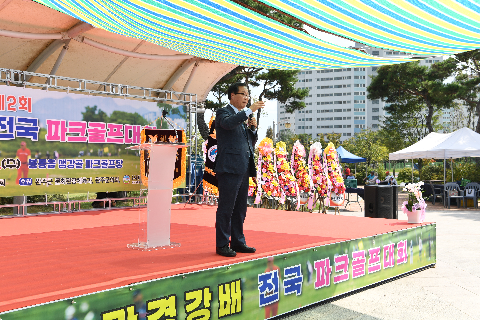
<point>63,198</point>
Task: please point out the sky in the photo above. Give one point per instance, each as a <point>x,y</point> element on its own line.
<point>270,115</point>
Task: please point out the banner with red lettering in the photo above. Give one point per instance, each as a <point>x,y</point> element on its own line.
<point>57,142</point>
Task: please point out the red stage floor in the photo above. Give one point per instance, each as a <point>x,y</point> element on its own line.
<point>51,257</point>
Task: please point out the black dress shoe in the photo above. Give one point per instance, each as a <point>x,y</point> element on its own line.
<point>226,251</point>
<point>243,248</point>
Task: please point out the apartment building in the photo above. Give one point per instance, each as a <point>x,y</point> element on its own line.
<point>337,101</point>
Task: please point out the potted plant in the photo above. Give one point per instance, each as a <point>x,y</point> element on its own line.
<point>415,206</point>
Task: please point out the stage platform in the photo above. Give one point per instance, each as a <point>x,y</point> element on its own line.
<point>79,262</point>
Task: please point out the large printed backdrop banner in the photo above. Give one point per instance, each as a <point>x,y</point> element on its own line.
<point>54,142</point>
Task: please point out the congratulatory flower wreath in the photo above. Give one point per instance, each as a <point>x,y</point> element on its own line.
<point>334,172</point>
<point>317,165</point>
<point>288,183</point>
<point>300,168</point>
<point>301,171</point>
<point>267,181</point>
<point>252,186</point>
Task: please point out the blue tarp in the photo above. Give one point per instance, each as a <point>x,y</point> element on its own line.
<point>348,157</point>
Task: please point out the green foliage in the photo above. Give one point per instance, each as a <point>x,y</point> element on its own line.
<point>280,85</point>
<point>432,171</point>
<point>405,124</point>
<point>407,87</point>
<point>290,138</point>
<point>162,124</point>
<point>123,117</point>
<point>171,110</point>
<point>466,67</point>
<point>369,145</point>
<point>220,89</point>
<point>197,146</point>
<point>405,175</point>
<point>332,137</point>
<point>271,13</point>
<point>269,133</point>
<point>274,84</point>
<point>464,169</point>
<point>363,171</point>
<point>381,172</point>
<point>91,114</point>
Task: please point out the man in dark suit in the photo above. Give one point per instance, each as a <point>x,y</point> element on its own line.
<point>234,165</point>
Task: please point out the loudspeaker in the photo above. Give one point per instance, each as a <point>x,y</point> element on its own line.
<point>381,202</point>
<point>385,202</point>
<point>395,202</point>
<point>370,201</point>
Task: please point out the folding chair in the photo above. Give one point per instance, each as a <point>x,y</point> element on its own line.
<point>436,193</point>
<point>452,190</point>
<point>471,191</point>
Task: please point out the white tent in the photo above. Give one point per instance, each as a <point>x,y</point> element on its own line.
<point>462,143</point>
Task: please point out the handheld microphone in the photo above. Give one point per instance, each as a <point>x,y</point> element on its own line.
<point>251,117</point>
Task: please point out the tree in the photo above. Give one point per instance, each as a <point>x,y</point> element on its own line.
<point>290,138</point>
<point>271,12</point>
<point>407,87</point>
<point>91,115</point>
<point>466,67</point>
<point>180,111</point>
<point>274,84</point>
<point>405,124</point>
<point>269,133</point>
<point>332,137</point>
<point>123,117</point>
<point>367,144</point>
<point>461,117</point>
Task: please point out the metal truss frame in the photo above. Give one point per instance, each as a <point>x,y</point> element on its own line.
<point>25,79</point>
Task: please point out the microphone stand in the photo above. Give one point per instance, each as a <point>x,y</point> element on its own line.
<point>164,115</point>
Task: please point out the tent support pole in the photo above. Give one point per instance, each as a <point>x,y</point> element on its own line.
<point>412,170</point>
<point>451,167</point>
<point>444,169</point>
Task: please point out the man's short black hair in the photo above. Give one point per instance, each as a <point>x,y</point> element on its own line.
<point>234,88</point>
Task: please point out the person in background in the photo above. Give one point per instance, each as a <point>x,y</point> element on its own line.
<point>371,177</point>
<point>387,176</point>
<point>23,154</point>
<point>390,179</point>
<point>393,181</point>
<point>347,172</point>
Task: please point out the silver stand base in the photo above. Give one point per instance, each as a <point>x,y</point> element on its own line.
<point>143,246</point>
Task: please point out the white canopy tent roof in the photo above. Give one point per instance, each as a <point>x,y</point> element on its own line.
<point>462,143</point>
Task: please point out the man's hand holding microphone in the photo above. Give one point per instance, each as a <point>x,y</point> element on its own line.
<point>252,122</point>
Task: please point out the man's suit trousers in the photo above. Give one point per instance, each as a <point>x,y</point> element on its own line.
<point>232,208</point>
